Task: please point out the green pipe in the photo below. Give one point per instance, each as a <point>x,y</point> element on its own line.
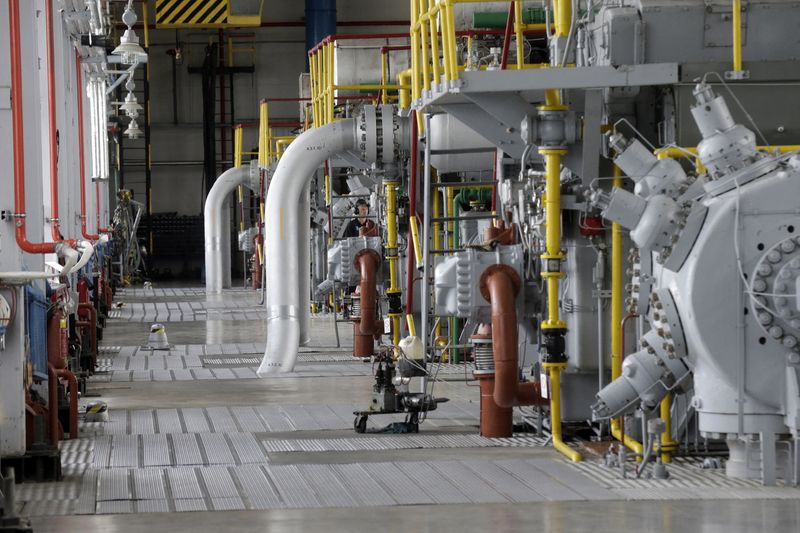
<point>497,19</point>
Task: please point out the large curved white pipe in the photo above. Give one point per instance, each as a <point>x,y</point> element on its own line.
<point>216,226</point>
<point>282,238</point>
<point>304,258</point>
<point>62,250</point>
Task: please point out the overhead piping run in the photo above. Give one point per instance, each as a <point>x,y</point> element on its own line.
<point>282,237</point>
<point>217,228</point>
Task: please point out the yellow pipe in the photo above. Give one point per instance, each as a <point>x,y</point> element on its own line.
<point>563,17</point>
<point>667,444</point>
<point>312,82</point>
<point>412,329</point>
<point>331,81</point>
<point>616,319</point>
<point>552,205</point>
<point>263,125</point>
<point>434,32</point>
<point>415,51</point>
<point>737,35</point>
<point>412,221</point>
<point>371,87</point>
<point>451,31</point>
<point>237,146</point>
<point>426,81</point>
<point>554,369</point>
<point>518,33</point>
<point>391,251</point>
<point>404,78</point>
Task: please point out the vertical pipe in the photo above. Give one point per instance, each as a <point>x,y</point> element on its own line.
<point>451,36</point>
<point>304,259</point>
<point>320,21</point>
<point>737,35</point>
<point>426,235</point>
<point>412,214</point>
<point>81,156</point>
<point>426,74</point>
<point>507,36</point>
<point>519,36</point>
<point>555,411</point>
<point>392,256</point>
<point>432,20</point>
<point>415,61</point>
<point>17,121</point>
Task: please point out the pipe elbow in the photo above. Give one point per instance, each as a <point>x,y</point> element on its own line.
<point>280,355</point>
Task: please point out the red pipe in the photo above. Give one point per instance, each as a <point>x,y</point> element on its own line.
<point>412,212</point>
<point>91,324</point>
<point>507,36</point>
<point>397,48</point>
<point>55,221</point>
<point>19,136</point>
<point>499,286</point>
<point>81,155</point>
<point>55,428</point>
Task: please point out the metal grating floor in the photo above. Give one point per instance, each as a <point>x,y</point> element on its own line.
<point>262,419</point>
<point>265,486</point>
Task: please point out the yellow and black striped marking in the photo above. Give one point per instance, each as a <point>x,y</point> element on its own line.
<point>191,13</point>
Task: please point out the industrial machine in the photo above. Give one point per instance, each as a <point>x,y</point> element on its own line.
<point>534,146</point>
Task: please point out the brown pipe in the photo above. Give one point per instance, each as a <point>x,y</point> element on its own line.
<point>365,329</point>
<point>91,324</point>
<point>73,400</point>
<point>52,405</point>
<point>499,286</point>
<point>367,261</point>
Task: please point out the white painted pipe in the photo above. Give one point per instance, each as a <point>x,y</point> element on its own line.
<point>216,225</point>
<point>22,277</point>
<point>88,252</point>
<point>304,254</point>
<point>282,238</point>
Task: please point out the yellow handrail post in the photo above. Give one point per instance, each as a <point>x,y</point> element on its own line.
<point>433,15</point>
<point>518,24</point>
<point>737,35</point>
<point>426,81</point>
<point>384,74</point>
<point>263,128</point>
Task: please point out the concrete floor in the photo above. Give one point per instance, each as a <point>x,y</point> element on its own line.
<point>329,486</point>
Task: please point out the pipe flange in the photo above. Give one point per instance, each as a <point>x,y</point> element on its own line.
<point>516,282</point>
<point>667,324</point>
<point>774,288</point>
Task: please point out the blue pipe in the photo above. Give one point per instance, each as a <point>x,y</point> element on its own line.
<point>320,22</point>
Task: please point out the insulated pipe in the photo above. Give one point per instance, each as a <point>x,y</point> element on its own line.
<point>500,286</point>
<point>303,226</point>
<point>217,240</point>
<point>81,155</point>
<point>295,169</point>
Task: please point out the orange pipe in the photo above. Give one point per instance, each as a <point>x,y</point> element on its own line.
<point>499,286</point>
<point>19,136</point>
